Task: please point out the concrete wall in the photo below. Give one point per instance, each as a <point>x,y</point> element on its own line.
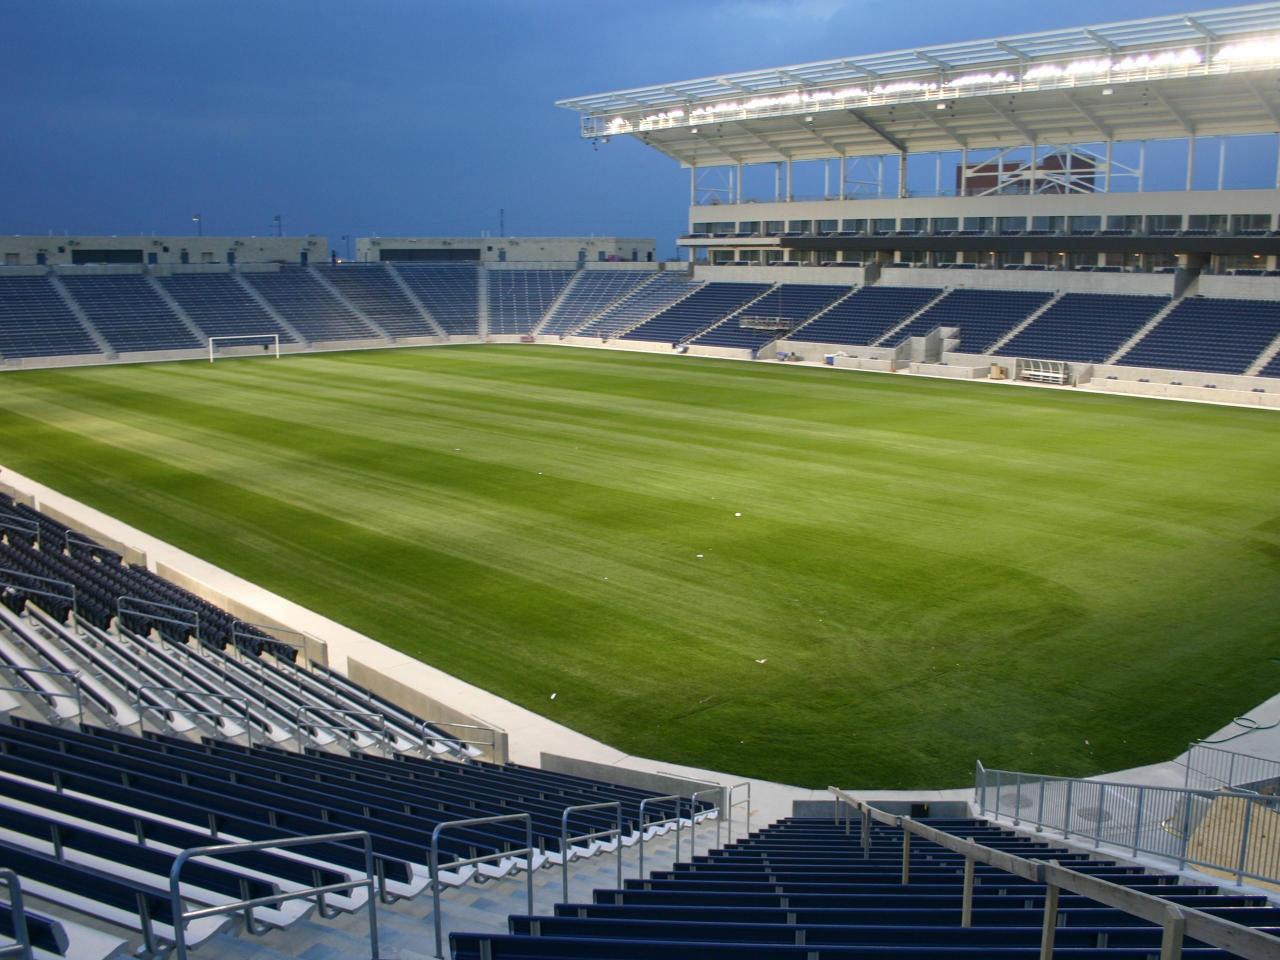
<point>665,784</point>
<point>1247,288</point>
<point>525,250</point>
<point>1160,284</point>
<point>849,276</point>
<point>167,250</point>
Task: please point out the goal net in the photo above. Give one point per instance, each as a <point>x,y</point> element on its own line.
<point>269,342</point>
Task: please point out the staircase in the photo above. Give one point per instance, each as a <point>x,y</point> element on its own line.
<point>1265,357</point>
<point>731,316</point>
<point>338,295</point>
<point>1146,328</point>
<point>482,302</point>
<point>1035,315</point>
<point>413,299</point>
<point>83,317</point>
<point>555,304</point>
<point>271,311</point>
<point>895,329</point>
<point>178,312</point>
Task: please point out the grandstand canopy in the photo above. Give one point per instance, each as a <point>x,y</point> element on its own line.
<point>1210,73</point>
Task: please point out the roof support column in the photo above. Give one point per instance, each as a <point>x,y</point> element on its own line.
<point>1142,165</point>
<point>964,172</point>
<point>1191,160</point>
<point>902,174</point>
<point>880,178</point>
<point>777,181</point>
<point>693,185</point>
<point>1035,159</point>
<point>1222,162</point>
<point>789,195</point>
<point>937,174</point>
<point>844,173</point>
<point>737,185</point>
<point>1106,177</point>
<point>826,180</point>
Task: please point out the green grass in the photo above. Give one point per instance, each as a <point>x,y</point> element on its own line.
<point>934,571</point>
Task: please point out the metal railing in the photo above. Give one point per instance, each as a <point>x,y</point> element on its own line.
<point>31,690</point>
<point>1227,832</point>
<point>243,629</point>
<point>1177,922</point>
<point>693,817</point>
<point>643,824</point>
<point>730,803</point>
<point>378,734</point>
<point>182,917</point>
<point>565,839</point>
<point>142,706</point>
<point>7,575</point>
<point>1209,767</point>
<point>128,605</point>
<point>21,946</point>
<point>425,729</point>
<point>435,866</point>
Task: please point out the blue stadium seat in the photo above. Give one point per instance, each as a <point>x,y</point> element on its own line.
<point>298,297</point>
<point>36,322</point>
<point>865,316</point>
<point>449,291</point>
<point>130,314</point>
<point>787,305</point>
<point>704,307</point>
<point>1084,327</point>
<point>519,299</point>
<point>594,292</point>
<point>982,316</point>
<point>1209,334</point>
<point>645,301</point>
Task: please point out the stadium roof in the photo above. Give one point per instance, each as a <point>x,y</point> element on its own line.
<point>1200,73</point>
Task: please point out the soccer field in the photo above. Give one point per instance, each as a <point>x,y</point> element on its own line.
<point>923,573</point>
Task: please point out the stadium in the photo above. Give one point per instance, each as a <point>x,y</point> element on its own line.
<point>893,573</point>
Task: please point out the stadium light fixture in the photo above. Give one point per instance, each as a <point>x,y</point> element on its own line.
<point>1250,51</point>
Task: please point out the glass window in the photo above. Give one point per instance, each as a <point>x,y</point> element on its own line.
<point>1053,224</point>
<point>828,226</point>
<point>1089,224</point>
<point>946,223</point>
<point>800,226</point>
<point>773,227</point>
<point>1011,224</point>
<point>853,226</point>
<point>977,223</point>
<point>884,225</point>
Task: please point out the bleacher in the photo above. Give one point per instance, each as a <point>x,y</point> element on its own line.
<point>865,316</point>
<point>1084,327</point>
<point>804,888</point>
<point>304,302</point>
<point>449,291</point>
<point>708,305</point>
<point>653,297</point>
<point>594,292</point>
<point>36,322</point>
<point>220,307</point>
<point>519,299</point>
<point>780,310</point>
<point>982,316</point>
<point>373,291</point>
<point>130,314</point>
<point>1209,334</point>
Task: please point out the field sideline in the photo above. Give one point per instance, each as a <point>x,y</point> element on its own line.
<point>932,572</point>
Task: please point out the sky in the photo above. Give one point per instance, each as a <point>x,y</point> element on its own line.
<point>398,117</point>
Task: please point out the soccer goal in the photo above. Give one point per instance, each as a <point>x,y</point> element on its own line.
<point>268,341</point>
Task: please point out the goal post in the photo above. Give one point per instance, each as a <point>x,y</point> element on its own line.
<point>268,340</point>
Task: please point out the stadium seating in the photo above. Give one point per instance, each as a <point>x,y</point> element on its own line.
<point>982,316</point>
<point>1084,327</point>
<point>519,299</point>
<point>375,293</point>
<point>803,888</point>
<point>130,314</point>
<point>35,322</point>
<point>641,304</point>
<point>297,296</point>
<point>594,292</point>
<point>220,307</point>
<point>695,313</point>
<point>1210,334</point>
<point>865,316</point>
<point>449,291</point>
<point>787,305</point>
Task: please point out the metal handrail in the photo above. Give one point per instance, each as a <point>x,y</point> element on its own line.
<point>350,729</point>
<point>1176,921</point>
<point>1157,820</point>
<point>181,917</point>
<point>435,868</point>
<point>657,823</point>
<point>76,694</point>
<point>693,818</point>
<point>730,804</point>
<point>21,947</point>
<point>565,839</point>
<point>74,597</point>
<point>10,521</point>
<point>194,623</point>
<point>303,645</point>
<point>141,706</point>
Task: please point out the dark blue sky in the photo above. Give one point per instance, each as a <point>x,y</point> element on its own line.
<point>397,116</point>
